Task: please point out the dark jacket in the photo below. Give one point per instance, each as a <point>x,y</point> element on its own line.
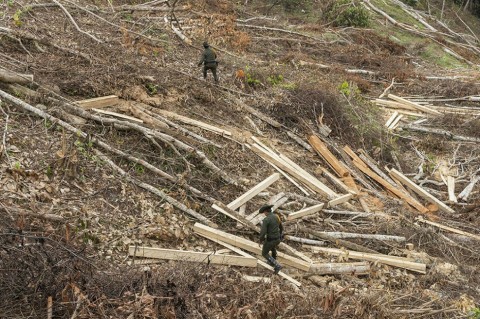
<point>271,227</point>
<point>209,58</point>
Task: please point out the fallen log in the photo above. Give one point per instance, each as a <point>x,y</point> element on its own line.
<point>305,240</point>
<point>384,259</point>
<point>468,189</point>
<point>324,152</point>
<point>445,133</point>
<point>192,256</point>
<point>413,104</point>
<point>122,116</point>
<point>450,229</point>
<point>193,122</point>
<point>338,242</point>
<point>7,76</point>
<point>343,235</point>
<point>358,268</point>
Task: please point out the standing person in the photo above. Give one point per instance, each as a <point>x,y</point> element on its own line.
<point>270,236</point>
<point>209,61</point>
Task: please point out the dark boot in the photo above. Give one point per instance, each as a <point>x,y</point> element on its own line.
<point>272,262</point>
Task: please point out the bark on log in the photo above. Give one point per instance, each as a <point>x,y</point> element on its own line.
<point>358,268</point>
<point>13,77</point>
<point>445,133</point>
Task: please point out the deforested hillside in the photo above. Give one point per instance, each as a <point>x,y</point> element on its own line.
<point>131,186</point>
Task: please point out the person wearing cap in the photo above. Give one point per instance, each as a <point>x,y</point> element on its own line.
<point>270,236</point>
<point>209,61</point>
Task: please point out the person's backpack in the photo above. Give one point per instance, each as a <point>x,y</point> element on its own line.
<point>280,225</point>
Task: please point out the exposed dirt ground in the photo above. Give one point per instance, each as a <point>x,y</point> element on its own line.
<point>67,219</point>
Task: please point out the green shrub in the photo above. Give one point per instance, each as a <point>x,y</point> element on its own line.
<point>348,13</point>
<point>412,3</point>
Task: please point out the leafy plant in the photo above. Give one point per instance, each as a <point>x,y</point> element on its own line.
<point>275,79</point>
<point>348,13</point>
<point>140,169</point>
<point>17,18</point>
<point>152,89</point>
<point>251,80</point>
<point>474,313</point>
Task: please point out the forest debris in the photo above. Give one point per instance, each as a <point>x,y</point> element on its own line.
<point>344,235</point>
<point>420,191</point>
<point>451,189</point>
<point>99,102</point>
<point>193,256</point>
<point>325,153</point>
<point>256,279</point>
<point>384,259</point>
<point>451,229</point>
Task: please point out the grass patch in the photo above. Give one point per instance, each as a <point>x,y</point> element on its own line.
<point>398,14</point>
<point>435,53</point>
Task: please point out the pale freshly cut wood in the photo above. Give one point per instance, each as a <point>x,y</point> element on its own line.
<point>309,181</point>
<point>259,262</point>
<point>256,279</point>
<point>394,105</point>
<point>384,259</point>
<point>339,200</point>
<point>413,104</point>
<point>248,245</point>
<point>272,201</point>
<point>253,191</point>
<point>450,229</point>
<point>365,236</point>
<point>325,153</point>
<point>395,122</point>
<point>99,102</point>
<point>260,217</point>
<point>451,189</point>
<point>340,184</point>
<point>305,212</point>
<point>193,122</point>
<point>391,119</point>
<point>193,256</point>
<point>358,268</point>
<point>123,116</point>
<point>468,189</point>
<point>357,161</point>
<point>420,191</point>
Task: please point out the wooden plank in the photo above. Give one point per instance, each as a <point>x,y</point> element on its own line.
<point>339,200</point>
<point>259,262</point>
<point>394,105</point>
<point>254,191</point>
<point>450,229</point>
<point>358,268</point>
<point>315,185</point>
<point>193,256</point>
<point>384,259</point>
<point>123,116</point>
<point>395,122</point>
<point>325,153</point>
<point>420,191</point>
<point>363,167</point>
<point>451,189</point>
<point>248,245</point>
<point>340,184</point>
<point>193,122</point>
<point>391,119</point>
<point>305,212</point>
<point>99,102</point>
<point>413,104</point>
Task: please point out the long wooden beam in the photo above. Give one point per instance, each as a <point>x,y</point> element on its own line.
<point>253,191</point>
<point>305,212</point>
<point>450,229</point>
<point>325,153</point>
<point>384,259</point>
<point>313,184</point>
<point>420,191</point>
<point>99,102</point>
<point>193,122</point>
<point>357,161</point>
<point>413,104</point>
<point>193,256</point>
<point>261,263</point>
<point>248,245</point>
<point>358,268</point>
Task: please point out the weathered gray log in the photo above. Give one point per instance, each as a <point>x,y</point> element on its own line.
<point>358,268</point>
<point>445,133</point>
<point>13,77</point>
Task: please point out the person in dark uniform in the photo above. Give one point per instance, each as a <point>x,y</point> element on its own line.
<point>209,61</point>
<point>270,236</point>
